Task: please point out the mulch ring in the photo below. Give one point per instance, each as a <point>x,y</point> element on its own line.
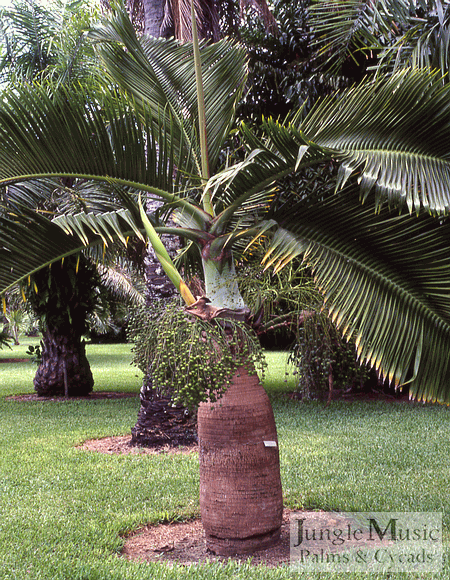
<point>122,445</point>
<point>184,543</point>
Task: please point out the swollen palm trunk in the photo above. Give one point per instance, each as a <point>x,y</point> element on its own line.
<point>64,368</point>
<point>240,488</point>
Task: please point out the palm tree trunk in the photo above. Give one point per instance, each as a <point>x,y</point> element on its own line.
<point>156,21</point>
<point>159,422</point>
<point>64,368</point>
<point>240,487</point>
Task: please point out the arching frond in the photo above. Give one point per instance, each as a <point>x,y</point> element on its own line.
<point>46,41</point>
<point>394,34</point>
<point>160,75</point>
<point>120,283</point>
<point>96,137</point>
<point>30,241</point>
<point>345,27</point>
<point>385,277</point>
<point>70,134</point>
<point>424,44</point>
<point>394,134</point>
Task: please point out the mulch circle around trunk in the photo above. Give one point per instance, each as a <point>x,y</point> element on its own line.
<point>184,543</point>
<point>122,445</point>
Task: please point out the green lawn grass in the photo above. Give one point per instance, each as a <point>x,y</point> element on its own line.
<point>110,364</point>
<point>64,511</point>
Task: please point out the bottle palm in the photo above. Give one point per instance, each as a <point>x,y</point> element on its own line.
<point>383,266</point>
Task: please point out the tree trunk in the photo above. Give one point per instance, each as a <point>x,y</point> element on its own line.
<point>241,499</point>
<point>64,368</point>
<point>157,20</point>
<point>161,424</point>
<point>158,422</point>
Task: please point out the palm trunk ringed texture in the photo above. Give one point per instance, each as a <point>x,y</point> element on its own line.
<point>240,487</point>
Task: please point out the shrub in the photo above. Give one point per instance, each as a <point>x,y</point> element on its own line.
<point>324,361</point>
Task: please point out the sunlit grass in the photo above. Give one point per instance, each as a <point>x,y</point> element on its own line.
<point>110,365</point>
<point>64,511</point>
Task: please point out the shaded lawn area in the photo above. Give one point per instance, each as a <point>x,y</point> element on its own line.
<point>64,512</point>
<point>110,364</point>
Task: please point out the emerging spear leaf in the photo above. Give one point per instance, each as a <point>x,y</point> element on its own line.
<point>166,261</point>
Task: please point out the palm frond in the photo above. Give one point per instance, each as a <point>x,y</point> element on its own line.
<point>107,227</point>
<point>160,75</point>
<point>78,134</point>
<point>119,281</point>
<point>32,194</point>
<point>344,27</point>
<point>29,241</point>
<point>424,44</point>
<point>42,41</point>
<point>385,277</point>
<point>247,188</point>
<point>27,30</point>
<point>394,134</point>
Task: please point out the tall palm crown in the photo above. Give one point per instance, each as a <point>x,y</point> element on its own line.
<point>385,274</point>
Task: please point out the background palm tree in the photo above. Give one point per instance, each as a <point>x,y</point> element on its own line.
<point>63,296</point>
<point>385,274</point>
<point>48,43</point>
<point>215,19</point>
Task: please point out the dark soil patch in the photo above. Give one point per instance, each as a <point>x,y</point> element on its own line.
<point>14,360</point>
<point>161,423</point>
